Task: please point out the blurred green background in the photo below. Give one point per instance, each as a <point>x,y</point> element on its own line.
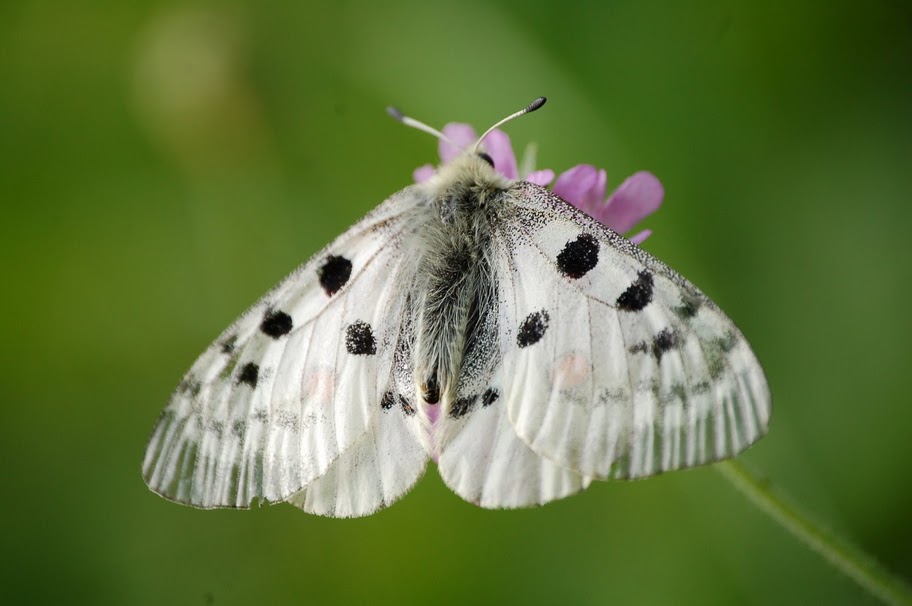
<point>162,164</point>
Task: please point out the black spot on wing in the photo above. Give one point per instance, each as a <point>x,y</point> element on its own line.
<point>390,399</point>
<point>276,324</point>
<point>640,347</point>
<point>229,344</point>
<point>463,406</point>
<point>334,273</point>
<point>190,386</point>
<point>250,374</point>
<point>638,295</point>
<point>532,328</point>
<point>716,353</point>
<point>489,397</point>
<point>688,308</point>
<point>728,342</point>
<point>359,339</point>
<point>407,407</point>
<point>578,256</point>
<point>664,341</point>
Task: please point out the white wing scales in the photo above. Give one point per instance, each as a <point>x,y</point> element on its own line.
<point>636,371</point>
<point>380,467</point>
<point>591,359</point>
<point>486,463</point>
<point>296,381</point>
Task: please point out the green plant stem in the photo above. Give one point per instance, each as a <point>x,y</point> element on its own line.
<point>847,558</point>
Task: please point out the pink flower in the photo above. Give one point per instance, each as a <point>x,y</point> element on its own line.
<point>583,186</point>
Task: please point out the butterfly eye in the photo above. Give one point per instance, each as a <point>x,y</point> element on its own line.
<point>486,158</point>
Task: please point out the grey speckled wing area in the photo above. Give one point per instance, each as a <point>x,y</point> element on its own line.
<point>616,366</point>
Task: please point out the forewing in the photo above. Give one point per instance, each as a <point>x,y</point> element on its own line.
<point>297,380</point>
<point>616,365</point>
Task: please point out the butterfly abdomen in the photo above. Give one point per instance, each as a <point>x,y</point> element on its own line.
<point>454,278</point>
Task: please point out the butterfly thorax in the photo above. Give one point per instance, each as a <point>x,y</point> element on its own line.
<point>466,201</point>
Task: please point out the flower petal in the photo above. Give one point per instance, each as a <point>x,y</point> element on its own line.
<point>461,134</point>
<point>527,164</point>
<point>497,145</point>
<point>641,237</point>
<point>635,199</point>
<point>583,186</point>
<point>423,173</point>
<point>540,177</point>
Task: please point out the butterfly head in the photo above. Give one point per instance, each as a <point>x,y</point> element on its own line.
<point>469,176</point>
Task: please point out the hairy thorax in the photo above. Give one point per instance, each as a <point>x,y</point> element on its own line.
<point>467,200</point>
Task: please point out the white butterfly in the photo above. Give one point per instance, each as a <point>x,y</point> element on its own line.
<point>474,320</point>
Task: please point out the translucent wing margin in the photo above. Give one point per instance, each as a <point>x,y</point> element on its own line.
<point>381,466</point>
<point>485,462</point>
<point>296,381</point>
<point>615,365</point>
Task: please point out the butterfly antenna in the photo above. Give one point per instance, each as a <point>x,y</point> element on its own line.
<point>526,110</point>
<point>398,115</point>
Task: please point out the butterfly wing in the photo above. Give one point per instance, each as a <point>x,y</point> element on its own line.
<point>290,395</point>
<point>377,469</point>
<point>616,366</point>
<point>485,462</point>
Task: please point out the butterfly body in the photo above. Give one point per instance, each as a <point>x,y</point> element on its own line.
<point>454,282</point>
<point>476,321</point>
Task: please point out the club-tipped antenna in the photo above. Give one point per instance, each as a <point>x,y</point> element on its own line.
<point>398,115</point>
<point>526,110</point>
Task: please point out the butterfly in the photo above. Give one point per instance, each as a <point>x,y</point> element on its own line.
<point>477,321</point>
